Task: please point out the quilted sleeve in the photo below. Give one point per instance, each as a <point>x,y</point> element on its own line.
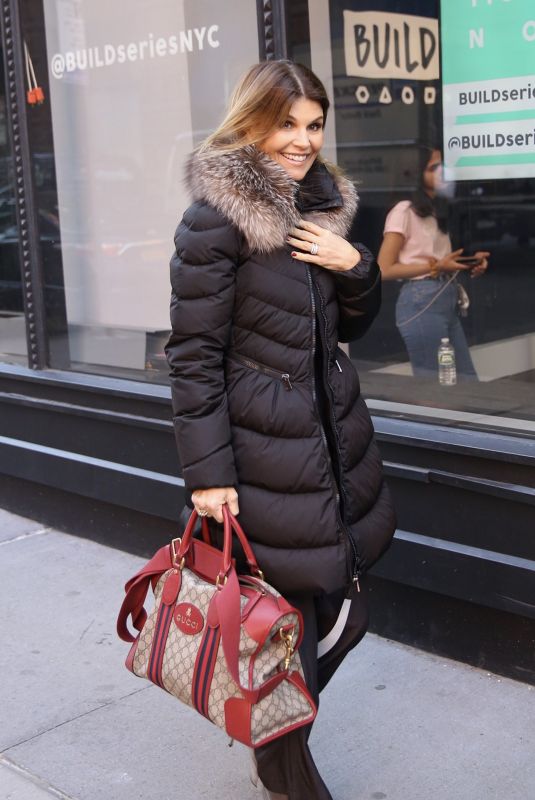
<point>203,271</point>
<point>359,296</point>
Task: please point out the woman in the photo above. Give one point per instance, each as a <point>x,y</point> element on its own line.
<point>267,410</point>
<point>417,248</point>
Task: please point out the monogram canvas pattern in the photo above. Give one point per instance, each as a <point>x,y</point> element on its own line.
<point>181,649</point>
<point>272,654</point>
<point>283,707</point>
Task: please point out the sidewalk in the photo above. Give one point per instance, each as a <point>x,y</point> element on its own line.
<point>394,723</point>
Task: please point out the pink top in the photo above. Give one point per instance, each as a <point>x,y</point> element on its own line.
<point>423,237</point>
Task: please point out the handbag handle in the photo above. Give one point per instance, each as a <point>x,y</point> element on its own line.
<point>230,525</point>
<point>205,531</point>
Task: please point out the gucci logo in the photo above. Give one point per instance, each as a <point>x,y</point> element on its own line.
<point>188,618</point>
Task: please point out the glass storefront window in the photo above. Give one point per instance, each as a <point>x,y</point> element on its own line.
<point>381,61</point>
<point>12,322</point>
<point>133,87</point>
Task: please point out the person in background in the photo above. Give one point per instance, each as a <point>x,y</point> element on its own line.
<point>417,249</point>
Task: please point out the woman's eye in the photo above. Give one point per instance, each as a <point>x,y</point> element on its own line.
<point>287,124</point>
<point>316,126</point>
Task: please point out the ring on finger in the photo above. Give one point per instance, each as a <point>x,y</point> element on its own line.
<point>314,249</point>
<point>202,512</point>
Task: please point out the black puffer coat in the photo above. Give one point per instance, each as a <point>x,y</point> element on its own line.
<point>252,330</point>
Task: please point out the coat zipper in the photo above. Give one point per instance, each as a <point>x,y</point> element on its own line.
<point>356,559</point>
<point>336,490</point>
<point>273,373</point>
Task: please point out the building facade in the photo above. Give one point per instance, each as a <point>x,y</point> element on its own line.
<point>100,106</point>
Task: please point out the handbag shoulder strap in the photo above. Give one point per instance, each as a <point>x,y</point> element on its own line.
<point>229,613</point>
<point>136,592</point>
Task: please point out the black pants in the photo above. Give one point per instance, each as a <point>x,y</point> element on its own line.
<point>286,765</point>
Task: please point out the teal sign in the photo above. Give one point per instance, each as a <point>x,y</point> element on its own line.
<point>488,77</point>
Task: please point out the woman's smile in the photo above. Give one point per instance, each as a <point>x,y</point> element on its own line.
<point>295,157</point>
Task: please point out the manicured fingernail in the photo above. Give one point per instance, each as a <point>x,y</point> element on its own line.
<point>294,254</point>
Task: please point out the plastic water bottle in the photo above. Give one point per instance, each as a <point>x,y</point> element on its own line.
<point>447,373</point>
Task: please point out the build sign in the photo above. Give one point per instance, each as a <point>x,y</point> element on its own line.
<point>488,66</point>
<point>386,73</point>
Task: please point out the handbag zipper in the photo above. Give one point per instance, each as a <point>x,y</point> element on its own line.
<point>273,373</point>
<point>334,482</point>
<point>356,559</point>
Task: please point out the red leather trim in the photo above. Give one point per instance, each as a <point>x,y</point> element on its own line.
<point>238,530</point>
<point>204,559</point>
<point>129,662</point>
<point>262,618</point>
<point>227,601</point>
<point>171,587</point>
<point>238,719</point>
<point>284,605</point>
<point>136,591</point>
<point>212,617</point>
<point>268,686</point>
<point>205,530</point>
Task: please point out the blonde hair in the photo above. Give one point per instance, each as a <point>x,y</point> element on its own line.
<point>261,101</point>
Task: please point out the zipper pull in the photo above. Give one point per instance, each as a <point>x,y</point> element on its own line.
<point>338,365</point>
<point>356,581</point>
<point>286,381</point>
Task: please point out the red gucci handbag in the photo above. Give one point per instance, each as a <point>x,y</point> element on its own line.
<point>223,643</point>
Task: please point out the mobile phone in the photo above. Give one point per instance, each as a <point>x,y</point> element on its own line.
<point>470,261</point>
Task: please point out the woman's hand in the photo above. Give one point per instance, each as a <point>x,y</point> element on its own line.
<point>448,263</point>
<point>211,501</point>
<point>480,268</point>
<point>334,252</point>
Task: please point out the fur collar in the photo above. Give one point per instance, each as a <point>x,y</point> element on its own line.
<point>259,197</point>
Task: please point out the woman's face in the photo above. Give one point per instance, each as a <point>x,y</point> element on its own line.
<point>433,176</point>
<point>296,144</point>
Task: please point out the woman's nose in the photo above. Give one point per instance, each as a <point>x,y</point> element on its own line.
<point>301,137</point>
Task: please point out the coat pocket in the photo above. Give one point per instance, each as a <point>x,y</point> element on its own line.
<point>284,377</point>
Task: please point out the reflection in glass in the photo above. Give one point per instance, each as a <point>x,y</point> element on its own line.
<point>381,119</point>
<point>131,94</point>
<point>417,250</point>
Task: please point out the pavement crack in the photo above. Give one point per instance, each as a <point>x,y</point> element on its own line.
<point>85,631</point>
<point>29,535</point>
<point>32,778</point>
<point>76,717</point>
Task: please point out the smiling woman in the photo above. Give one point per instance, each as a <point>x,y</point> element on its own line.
<point>267,409</point>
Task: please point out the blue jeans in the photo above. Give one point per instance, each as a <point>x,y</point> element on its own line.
<point>422,335</point>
